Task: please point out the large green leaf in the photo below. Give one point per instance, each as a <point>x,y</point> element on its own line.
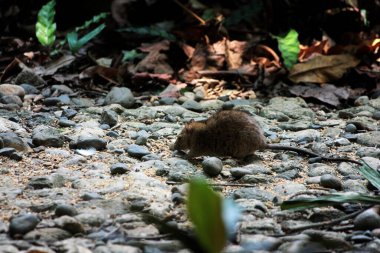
<point>329,200</point>
<point>289,47</point>
<point>45,26</point>
<point>205,211</point>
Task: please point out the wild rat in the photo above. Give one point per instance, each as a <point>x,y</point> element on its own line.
<point>232,133</point>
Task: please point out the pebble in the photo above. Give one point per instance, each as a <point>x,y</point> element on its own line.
<point>141,140</point>
<point>22,224</point>
<point>192,106</point>
<point>109,117</point>
<point>52,101</point>
<point>167,101</point>
<point>47,234</point>
<point>47,136</point>
<point>87,142</point>
<point>212,166</point>
<point>376,115</point>
<point>7,152</point>
<point>11,140</point>
<point>61,89</point>
<point>350,128</point>
<point>90,196</point>
<point>29,89</point>
<point>11,89</point>
<point>137,151</point>
<point>319,169</point>
<point>40,182</point>
<point>368,219</point>
<point>119,168</point>
<point>64,209</point>
<point>69,224</point>
<point>69,113</point>
<point>122,96</point>
<point>11,99</point>
<point>64,122</point>
<point>331,181</point>
<point>371,139</point>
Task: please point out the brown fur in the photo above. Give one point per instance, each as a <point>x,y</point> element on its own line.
<point>231,133</point>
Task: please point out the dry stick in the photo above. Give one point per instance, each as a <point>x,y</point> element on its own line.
<point>190,12</point>
<point>215,184</point>
<point>326,223</point>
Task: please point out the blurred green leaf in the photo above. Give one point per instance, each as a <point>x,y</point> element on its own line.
<point>289,47</point>
<point>45,26</point>
<point>158,30</point>
<point>94,20</point>
<point>75,44</point>
<point>245,13</point>
<point>370,174</point>
<point>329,200</point>
<point>130,55</point>
<point>205,211</point>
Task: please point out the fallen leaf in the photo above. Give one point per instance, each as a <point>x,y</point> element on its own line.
<point>109,74</point>
<point>327,93</point>
<point>322,68</point>
<point>156,60</point>
<point>53,67</point>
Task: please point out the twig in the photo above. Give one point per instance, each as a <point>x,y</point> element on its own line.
<point>326,223</point>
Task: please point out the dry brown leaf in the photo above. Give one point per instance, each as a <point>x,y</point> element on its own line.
<point>327,93</point>
<point>322,68</point>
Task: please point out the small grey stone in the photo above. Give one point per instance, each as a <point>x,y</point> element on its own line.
<point>64,122</point>
<point>122,96</point>
<point>69,113</point>
<point>141,140</point>
<point>363,100</point>
<point>90,196</point>
<point>11,99</point>
<point>150,157</point>
<point>116,248</point>
<point>29,89</point>
<point>11,140</point>
<point>113,134</point>
<point>167,101</point>
<point>253,243</point>
<point>199,93</point>
<point>69,224</point>
<point>192,106</point>
<point>22,224</point>
<point>367,220</point>
<point>87,142</point>
<point>11,90</point>
<point>119,168</point>
<point>47,136</point>
<point>63,209</point>
<point>64,99</point>
<point>352,185</point>
<point>47,234</point>
<point>109,117</point>
<point>342,142</point>
<point>351,128</point>
<point>319,169</point>
<point>376,115</point>
<point>331,181</point>
<point>8,249</point>
<point>29,77</point>
<point>52,101</point>
<point>289,188</point>
<point>40,182</point>
<point>178,198</point>
<point>137,151</point>
<point>371,139</point>
<point>254,193</point>
<point>368,151</point>
<point>7,152</point>
<point>104,126</point>
<point>212,166</point>
<point>62,89</point>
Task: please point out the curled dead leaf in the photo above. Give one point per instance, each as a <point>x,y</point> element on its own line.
<point>322,68</point>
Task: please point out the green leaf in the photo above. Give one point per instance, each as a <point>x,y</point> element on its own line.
<point>289,47</point>
<point>75,44</point>
<point>370,174</point>
<point>205,211</point>
<point>329,200</point>
<point>94,20</point>
<point>130,55</point>
<point>158,30</point>
<point>45,26</point>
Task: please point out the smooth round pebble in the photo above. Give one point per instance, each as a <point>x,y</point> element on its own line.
<point>367,220</point>
<point>137,151</point>
<point>376,115</point>
<point>63,209</point>
<point>22,224</point>
<point>90,196</point>
<point>212,166</point>
<point>330,181</point>
<point>69,113</point>
<point>119,168</point>
<point>141,140</point>
<point>350,128</point>
<point>64,122</point>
